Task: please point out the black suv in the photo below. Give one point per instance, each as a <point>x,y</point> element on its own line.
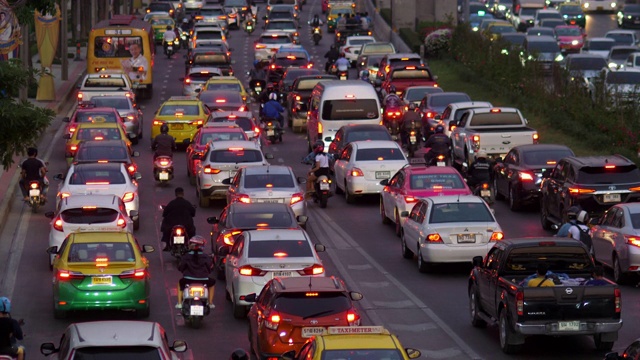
<point>594,183</point>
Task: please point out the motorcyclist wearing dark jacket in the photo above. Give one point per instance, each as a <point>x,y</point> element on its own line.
<point>332,55</point>
<point>273,110</point>
<point>264,96</point>
<point>438,144</point>
<point>196,266</point>
<point>410,120</point>
<point>10,331</point>
<point>178,211</point>
<point>163,144</point>
<point>479,172</point>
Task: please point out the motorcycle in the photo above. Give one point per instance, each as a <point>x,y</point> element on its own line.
<point>485,192</point>
<point>272,130</point>
<point>438,160</point>
<point>249,27</point>
<point>163,169</point>
<point>413,142</point>
<point>169,49</point>
<point>322,190</point>
<point>184,38</point>
<point>392,119</point>
<point>256,87</point>
<point>341,73</point>
<point>195,303</point>
<point>317,35</point>
<point>35,197</point>
<point>178,241</point>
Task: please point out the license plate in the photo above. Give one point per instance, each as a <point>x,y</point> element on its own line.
<point>324,186</point>
<point>568,325</point>
<point>268,201</point>
<point>249,27</point>
<point>281,273</point>
<point>178,239</point>
<point>271,132</point>
<point>164,175</point>
<point>258,88</point>
<point>611,198</point>
<point>440,163</point>
<point>101,280</point>
<point>412,138</point>
<point>308,332</point>
<point>342,77</point>
<point>170,48</point>
<point>177,126</point>
<point>383,174</point>
<point>485,193</point>
<point>196,310</point>
<point>34,192</point>
<point>467,238</point>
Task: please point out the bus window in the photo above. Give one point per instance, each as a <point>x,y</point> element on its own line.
<point>114,46</point>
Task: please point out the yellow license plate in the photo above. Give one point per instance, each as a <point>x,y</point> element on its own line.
<point>101,280</point>
<point>177,126</point>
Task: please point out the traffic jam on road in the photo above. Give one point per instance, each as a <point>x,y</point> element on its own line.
<point>201,203</point>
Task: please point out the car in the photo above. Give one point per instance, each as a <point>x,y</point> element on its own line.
<point>372,342</point>
<point>282,61</point>
<point>413,182</point>
<point>90,113</point>
<point>221,160</point>
<point>165,7</point>
<point>99,271</point>
<point>403,77</point>
<point>222,100</point>
<point>193,5</point>
<point>298,97</point>
<point>210,54</point>
<point>623,37</point>
<point>543,14</point>
<point>282,12</point>
<point>415,94</point>
<point>258,256</point>
<point>196,77</point>
<point>543,51</point>
<point>213,13</point>
<point>618,55</point>
<point>226,83</point>
<point>290,74</point>
<point>552,23</point>
<point>148,16</point>
<point>495,29</point>
<point>573,14</point>
<point>452,114</point>
<point>139,339</point>
<point>598,46</point>
<point>434,104</point>
<point>512,42</point>
<point>159,25</point>
<point>288,26</point>
<point>268,184</point>
<point>114,151</point>
<point>336,10</point>
<point>631,352</point>
<point>570,38</point>
<point>616,89</point>
<point>476,19</point>
<point>129,112</point>
<point>212,131</point>
<point>448,229</point>
<point>92,132</point>
<point>238,217</point>
<point>616,241</point>
<point>541,31</point>
<point>88,213</point>
<point>207,34</point>
<point>300,307</point>
<point>599,5</point>
<point>244,119</point>
<point>584,68</point>
<point>593,183</point>
<point>183,114</point>
<point>363,164</point>
<point>353,45</point>
<point>356,132</point>
<point>101,178</point>
<point>237,9</point>
<point>628,16</point>
<point>269,42</point>
<point>517,177</point>
<point>398,60</point>
<point>178,5</point>
<point>378,48</point>
<point>371,63</point>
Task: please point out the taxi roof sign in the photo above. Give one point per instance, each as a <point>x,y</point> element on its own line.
<point>344,330</point>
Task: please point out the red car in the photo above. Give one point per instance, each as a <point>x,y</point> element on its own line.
<point>404,77</point>
<point>325,6</point>
<point>410,183</point>
<point>570,37</point>
<point>92,114</point>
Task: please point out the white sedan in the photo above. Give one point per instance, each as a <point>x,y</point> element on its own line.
<point>448,229</point>
<point>353,45</point>
<point>101,178</point>
<point>258,256</point>
<point>362,165</point>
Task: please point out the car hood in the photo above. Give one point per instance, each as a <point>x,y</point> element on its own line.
<point>570,38</point>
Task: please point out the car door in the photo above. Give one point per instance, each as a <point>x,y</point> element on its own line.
<point>216,229</point>
<point>486,281</point>
<point>500,172</point>
<point>341,165</point>
<point>632,352</point>
<point>601,237</point>
<point>617,238</point>
<point>390,196</point>
<point>458,137</point>
<point>233,262</point>
<point>234,186</point>
<point>256,314</point>
<point>411,226</point>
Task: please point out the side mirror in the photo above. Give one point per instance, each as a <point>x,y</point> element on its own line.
<point>477,261</point>
<point>47,349</point>
<point>608,356</point>
<point>52,250</point>
<point>555,227</point>
<point>384,182</point>
<point>223,251</point>
<point>148,249</point>
<point>66,136</point>
<point>302,219</point>
<point>227,181</point>
<point>213,220</point>
<point>291,355</point>
<point>301,180</point>
<point>49,214</point>
<point>268,156</point>
<point>438,117</point>
<point>186,142</point>
<point>179,346</point>
<point>58,177</point>
<point>594,221</point>
<point>413,353</point>
<point>134,215</point>
<point>197,157</point>
<point>355,296</point>
<point>319,248</point>
<point>404,214</point>
<point>137,176</point>
<point>65,119</point>
<point>250,298</point>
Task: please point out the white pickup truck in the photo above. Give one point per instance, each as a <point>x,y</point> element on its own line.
<point>104,84</point>
<point>633,61</point>
<point>492,130</point>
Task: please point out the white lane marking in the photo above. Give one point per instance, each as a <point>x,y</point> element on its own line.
<point>375,285</point>
<point>400,304</point>
<point>359,267</point>
<point>281,160</point>
<point>413,327</point>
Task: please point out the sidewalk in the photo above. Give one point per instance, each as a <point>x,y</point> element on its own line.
<point>64,90</point>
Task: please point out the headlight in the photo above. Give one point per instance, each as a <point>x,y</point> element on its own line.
<point>475,28</point>
<point>613,66</point>
<point>613,4</point>
<point>559,57</point>
<point>565,16</point>
<point>575,42</point>
<point>629,17</point>
<point>579,16</point>
<point>502,8</point>
<point>504,51</point>
<point>585,5</point>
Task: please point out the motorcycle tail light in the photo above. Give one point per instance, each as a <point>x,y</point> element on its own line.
<point>196,291</point>
<point>128,197</point>
<point>296,198</point>
<point>164,162</point>
<point>497,236</point>
<point>57,223</point>
<point>178,232</point>
<point>248,270</point>
<point>133,274</point>
<point>485,186</point>
<point>34,185</point>
<point>315,269</point>
<point>122,222</point>
<point>187,80</point>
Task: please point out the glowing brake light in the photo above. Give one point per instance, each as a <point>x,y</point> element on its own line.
<point>57,224</point>
<point>228,238</point>
<point>410,199</point>
<point>525,176</point>
<point>410,68</point>
<point>236,149</point>
<point>535,137</point>
<point>355,172</point>
<point>495,110</point>
<point>102,261</point>
<point>353,318</point>
<point>632,240</point>
<point>248,270</point>
<point>609,166</point>
<point>296,198</point>
<point>280,254</point>
<point>315,269</point>
<point>350,96</point>
<point>209,170</point>
<point>221,101</point>
<point>158,123</point>
<point>243,198</point>
<point>272,321</point>
<point>122,222</point>
<point>187,80</point>
<point>128,197</point>
<point>497,236</point>
<point>64,195</point>
<point>580,191</point>
<point>434,238</point>
<point>291,57</point>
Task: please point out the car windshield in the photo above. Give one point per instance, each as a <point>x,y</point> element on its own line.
<point>380,154</point>
<point>119,352</point>
<point>359,109</point>
<point>89,215</point>
<point>97,176</point>
<point>96,117</point>
<point>281,25</point>
<point>436,182</point>
<point>224,86</point>
<point>368,354</point>
<point>235,156</point>
<point>571,10</point>
<point>528,11</point>
<point>101,82</point>
<point>621,38</point>
<point>90,252</point>
<point>245,123</point>
<point>114,102</point>
<point>419,93</point>
<point>373,60</point>
<point>235,2</point>
<point>208,35</point>
<point>626,174</point>
<point>290,60</point>
<point>379,48</point>
<point>513,40</point>
<point>502,29</point>
<point>568,31</point>
<point>269,219</point>
<point>621,54</point>
<point>185,110</point>
<point>378,134</point>
<point>201,76</point>
<point>360,41</point>
<point>277,39</point>
<point>549,15</point>
<point>305,306</point>
<point>543,47</point>
<point>544,157</point>
<point>95,153</point>
<point>623,77</point>
<point>98,134</point>
<point>635,220</point>
<point>279,248</point>
<point>587,63</point>
<point>460,212</point>
<point>212,12</point>
<point>268,181</point>
<point>442,100</point>
<point>600,45</point>
<point>162,21</point>
<point>222,136</point>
<point>214,59</point>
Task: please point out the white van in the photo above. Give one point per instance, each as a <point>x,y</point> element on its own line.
<point>337,103</point>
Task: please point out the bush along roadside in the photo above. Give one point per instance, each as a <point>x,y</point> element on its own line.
<point>556,101</point>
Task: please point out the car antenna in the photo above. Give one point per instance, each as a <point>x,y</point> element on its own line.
<point>458,197</point>
<point>310,282</point>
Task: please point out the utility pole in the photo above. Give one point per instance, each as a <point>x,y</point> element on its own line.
<point>94,12</point>
<point>24,57</point>
<point>465,11</point>
<point>64,46</point>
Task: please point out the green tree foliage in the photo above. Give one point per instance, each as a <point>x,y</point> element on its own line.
<point>24,9</point>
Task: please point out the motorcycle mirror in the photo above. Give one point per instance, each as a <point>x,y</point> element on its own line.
<point>355,296</point>
<point>58,177</point>
<point>47,349</point>
<point>179,346</point>
<point>320,248</point>
<point>148,249</point>
<point>264,17</point>
<point>268,156</point>
<point>49,214</point>
<point>133,214</point>
<point>66,119</point>
<point>186,141</point>
<point>328,138</point>
<point>198,90</point>
<point>250,298</point>
<point>163,245</point>
<point>52,250</point>
<point>212,220</point>
<point>137,176</point>
<point>555,227</point>
<point>301,180</point>
<point>438,117</point>
<point>302,219</point>
<point>135,154</point>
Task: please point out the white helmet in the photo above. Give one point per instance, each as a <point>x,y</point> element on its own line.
<point>481,154</point>
<point>583,217</point>
<point>273,96</point>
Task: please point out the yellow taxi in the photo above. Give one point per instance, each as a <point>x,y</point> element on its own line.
<point>183,114</point>
<point>353,342</point>
<point>226,83</point>
<point>93,131</point>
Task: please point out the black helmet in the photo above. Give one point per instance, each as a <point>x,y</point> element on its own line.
<point>32,151</point>
<point>169,27</point>
<point>572,212</point>
<point>439,129</point>
<point>164,129</point>
<point>239,354</point>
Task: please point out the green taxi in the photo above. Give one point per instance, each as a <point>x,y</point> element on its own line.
<point>159,25</point>
<point>100,271</point>
<point>183,114</point>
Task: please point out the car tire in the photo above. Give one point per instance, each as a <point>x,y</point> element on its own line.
<point>544,216</point>
<point>474,309</point>
<point>506,335</point>
<point>350,199</point>
<point>383,215</point>
<point>204,201</point>
<point>602,345</point>
<point>514,202</point>
<point>406,252</point>
<point>398,225</point>
<point>618,275</point>
<point>495,189</point>
<point>239,311</point>
<point>423,266</point>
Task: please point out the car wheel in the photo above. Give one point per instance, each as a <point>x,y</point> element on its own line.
<point>514,202</point>
<point>544,216</point>
<point>398,224</point>
<point>602,345</point>
<point>474,309</point>
<point>618,275</point>
<point>204,200</point>
<point>383,215</point>
<point>506,335</point>
<point>406,252</point>
<point>347,196</point>
<point>495,189</point>
<point>423,266</point>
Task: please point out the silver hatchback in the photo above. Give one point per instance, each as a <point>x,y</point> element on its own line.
<point>267,184</point>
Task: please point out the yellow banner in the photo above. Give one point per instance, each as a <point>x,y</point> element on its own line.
<point>47,36</point>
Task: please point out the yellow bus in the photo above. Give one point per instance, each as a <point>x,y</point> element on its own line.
<point>124,43</point>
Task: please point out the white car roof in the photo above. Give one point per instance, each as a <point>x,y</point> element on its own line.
<point>269,169</point>
<point>199,69</point>
<point>455,198</point>
<point>277,234</point>
<point>632,32</point>
<point>246,144</point>
<point>99,200</point>
<point>375,144</point>
<point>360,37</point>
<point>269,33</point>
<point>116,333</point>
<point>470,104</point>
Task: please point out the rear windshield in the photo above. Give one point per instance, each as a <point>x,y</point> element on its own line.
<point>264,181</point>
<point>235,156</point>
<point>277,2</point>
<point>418,94</point>
<point>95,82</point>
<point>280,39</point>
<point>543,47</point>
<point>594,63</point>
<point>99,134</point>
<point>95,153</point>
<point>244,123</point>
<point>224,86</point>
<point>379,154</point>
<point>600,45</point>
<point>291,61</point>
<point>212,12</point>
<point>158,6</point>
<point>222,136</point>
<point>411,74</point>
<point>617,175</point>
<point>549,15</point>
<point>544,157</point>
<point>621,54</point>
<point>270,219</point>
<point>568,31</point>
<point>361,109</point>
<point>209,35</point>
<point>89,252</point>
<point>96,117</point>
<point>436,182</point>
<point>621,38</point>
<point>185,110</point>
<point>407,62</point>
<point>292,74</point>
<point>96,176</point>
<point>460,212</point>
<point>369,354</point>
<point>202,76</point>
<point>446,99</point>
<point>279,248</point>
<point>565,259</point>
<point>307,84</point>
<point>211,59</point>
<point>378,48</point>
<point>280,15</point>
<point>281,25</point>
<point>89,215</point>
<point>495,119</point>
<point>106,101</point>
<point>320,304</point>
<point>162,21</point>
<point>378,134</point>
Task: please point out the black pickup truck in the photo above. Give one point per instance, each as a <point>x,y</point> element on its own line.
<point>497,293</point>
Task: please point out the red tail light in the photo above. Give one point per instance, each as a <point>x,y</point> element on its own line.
<point>434,238</point>
<point>79,96</point>
<point>618,299</point>
<point>187,80</point>
<point>520,303</point>
<point>178,231</point>
<point>228,238</point>
<point>256,130</point>
<point>242,108</point>
<point>122,222</point>
<point>131,169</point>
<point>64,275</point>
<point>272,321</point>
<point>315,269</point>
<point>353,318</point>
<point>536,137</point>
<point>72,129</point>
<point>128,197</point>
<point>209,170</point>
<point>243,198</point>
<point>356,172</point>
<point>164,162</point>
<point>158,123</point>
<point>410,199</point>
<point>133,274</point>
<point>248,270</point>
<point>525,176</point>
<point>580,191</point>
<point>296,198</point>
<point>497,236</point>
<point>632,240</point>
<point>430,114</point>
<point>57,223</point>
<point>198,122</point>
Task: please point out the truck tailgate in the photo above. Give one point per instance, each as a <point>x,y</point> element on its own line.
<point>569,303</point>
<point>501,141</point>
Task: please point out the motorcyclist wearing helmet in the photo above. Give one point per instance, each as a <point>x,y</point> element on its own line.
<point>163,144</point>
<point>392,99</point>
<point>169,35</point>
<point>186,24</point>
<point>273,110</point>
<point>364,76</point>
<point>33,169</point>
<point>438,144</point>
<point>342,64</point>
<point>332,55</point>
<point>479,171</point>
<point>270,89</point>
<point>178,211</point>
<point>320,167</point>
<point>571,216</point>
<point>257,72</point>
<point>196,267</point>
<point>315,22</point>
<point>411,120</point>
<point>239,354</point>
<point>10,331</point>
